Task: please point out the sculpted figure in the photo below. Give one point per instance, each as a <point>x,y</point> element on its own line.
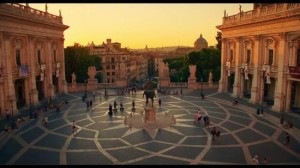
<point>73,77</point>
<point>92,72</point>
<point>192,71</point>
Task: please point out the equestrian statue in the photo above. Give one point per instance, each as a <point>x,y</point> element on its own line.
<point>149,92</point>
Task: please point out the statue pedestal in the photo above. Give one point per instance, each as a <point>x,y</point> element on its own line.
<point>121,83</point>
<point>192,83</point>
<point>150,114</point>
<point>92,84</point>
<point>210,84</point>
<point>164,82</point>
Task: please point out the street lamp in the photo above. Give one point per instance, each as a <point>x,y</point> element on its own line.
<point>202,96</point>
<point>105,91</point>
<point>30,107</point>
<point>181,86</point>
<point>12,114</point>
<point>85,95</point>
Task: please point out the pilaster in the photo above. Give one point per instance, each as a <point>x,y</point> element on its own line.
<point>257,59</point>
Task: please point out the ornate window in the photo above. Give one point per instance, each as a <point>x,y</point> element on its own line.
<point>231,55</point>
<point>270,57</point>
<point>54,56</point>
<point>18,57</point>
<point>39,56</point>
<point>248,56</point>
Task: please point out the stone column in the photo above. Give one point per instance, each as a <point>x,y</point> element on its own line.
<point>257,59</point>
<point>63,81</point>
<point>2,102</point>
<point>223,62</point>
<point>49,84</point>
<point>280,90</point>
<point>242,86</point>
<point>237,74</point>
<point>288,96</point>
<point>32,67</point>
<point>10,89</point>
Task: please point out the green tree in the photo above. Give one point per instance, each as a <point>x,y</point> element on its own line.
<point>77,60</point>
<point>219,40</point>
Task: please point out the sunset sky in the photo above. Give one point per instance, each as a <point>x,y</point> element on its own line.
<point>136,25</point>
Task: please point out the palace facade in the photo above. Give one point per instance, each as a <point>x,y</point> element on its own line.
<point>261,55</point>
<point>31,55</point>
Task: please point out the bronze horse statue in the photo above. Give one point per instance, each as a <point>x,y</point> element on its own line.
<point>149,92</point>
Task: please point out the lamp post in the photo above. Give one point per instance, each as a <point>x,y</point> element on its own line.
<point>181,86</point>
<point>30,107</point>
<point>201,80</point>
<point>12,114</point>
<point>105,91</point>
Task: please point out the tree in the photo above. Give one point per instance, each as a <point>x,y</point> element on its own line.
<point>219,40</point>
<point>77,60</point>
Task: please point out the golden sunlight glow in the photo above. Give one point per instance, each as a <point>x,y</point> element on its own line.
<point>141,24</point>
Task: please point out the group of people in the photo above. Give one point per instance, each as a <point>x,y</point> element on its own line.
<point>199,118</point>
<point>216,133</point>
<point>255,160</point>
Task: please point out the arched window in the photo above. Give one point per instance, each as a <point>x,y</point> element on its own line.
<point>18,57</point>
<point>39,56</point>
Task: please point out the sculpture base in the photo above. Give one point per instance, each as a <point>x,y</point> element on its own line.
<point>150,114</point>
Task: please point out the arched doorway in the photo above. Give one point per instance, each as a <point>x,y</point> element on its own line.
<point>40,88</point>
<point>20,92</point>
<point>55,83</point>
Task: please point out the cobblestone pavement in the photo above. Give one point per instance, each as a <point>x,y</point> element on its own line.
<point>100,140</point>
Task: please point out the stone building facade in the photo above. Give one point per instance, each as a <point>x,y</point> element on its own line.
<point>31,55</point>
<point>258,49</point>
<point>119,63</point>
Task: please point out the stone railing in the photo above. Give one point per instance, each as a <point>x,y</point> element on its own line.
<point>30,12</point>
<point>260,12</point>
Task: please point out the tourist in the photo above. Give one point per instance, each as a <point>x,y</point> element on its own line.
<point>196,118</point>
<point>235,102</point>
<point>213,132</point>
<point>255,160</point>
<point>133,104</point>
<point>264,161</point>
<point>87,104</point>
<point>6,128</point>
<point>110,113</point>
<point>91,103</point>
<point>45,120</point>
<point>74,128</point>
<point>287,139</point>
<point>199,116</point>
<point>159,102</point>
<point>94,95</point>
<point>218,133</point>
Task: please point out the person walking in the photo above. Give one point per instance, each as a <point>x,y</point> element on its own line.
<point>110,113</point>
<point>133,104</point>
<point>94,95</point>
<point>74,128</point>
<point>159,102</point>
<point>255,160</point>
<point>45,120</point>
<point>218,134</point>
<point>264,161</point>
<point>213,132</point>
<point>287,139</point>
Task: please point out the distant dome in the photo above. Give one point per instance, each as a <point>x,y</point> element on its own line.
<point>200,43</point>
